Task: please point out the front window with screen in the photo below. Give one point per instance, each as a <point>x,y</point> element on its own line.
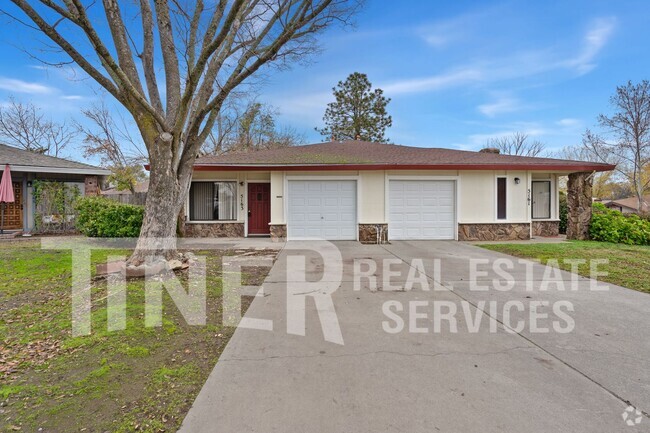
<point>213,201</point>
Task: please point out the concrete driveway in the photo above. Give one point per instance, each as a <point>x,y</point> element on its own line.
<point>419,380</point>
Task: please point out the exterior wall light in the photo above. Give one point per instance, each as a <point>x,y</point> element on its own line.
<point>517,180</point>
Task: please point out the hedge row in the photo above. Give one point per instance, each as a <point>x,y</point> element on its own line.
<point>101,217</point>
<point>609,225</point>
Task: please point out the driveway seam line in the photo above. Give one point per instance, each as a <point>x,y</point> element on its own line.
<point>381,352</point>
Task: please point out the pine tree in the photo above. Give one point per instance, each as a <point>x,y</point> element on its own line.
<point>358,113</point>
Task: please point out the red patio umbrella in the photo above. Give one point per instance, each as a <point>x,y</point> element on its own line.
<point>6,194</point>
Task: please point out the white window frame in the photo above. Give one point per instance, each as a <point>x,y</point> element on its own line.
<point>496,199</point>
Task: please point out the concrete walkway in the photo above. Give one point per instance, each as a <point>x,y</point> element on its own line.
<point>417,380</point>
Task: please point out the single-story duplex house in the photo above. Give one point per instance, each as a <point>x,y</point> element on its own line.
<point>26,167</point>
<point>355,190</point>
<point>628,205</point>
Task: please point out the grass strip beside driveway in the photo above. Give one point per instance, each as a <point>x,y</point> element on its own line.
<point>627,266</point>
<point>140,379</point>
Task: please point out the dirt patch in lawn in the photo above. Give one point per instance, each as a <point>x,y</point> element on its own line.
<point>137,379</point>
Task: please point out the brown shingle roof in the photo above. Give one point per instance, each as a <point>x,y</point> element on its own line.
<point>22,158</point>
<point>629,202</point>
<point>362,154</point>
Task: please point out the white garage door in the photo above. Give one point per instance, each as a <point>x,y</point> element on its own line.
<point>324,209</point>
<point>422,209</point>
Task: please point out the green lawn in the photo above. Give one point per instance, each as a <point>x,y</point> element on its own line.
<point>140,379</point>
<point>629,266</point>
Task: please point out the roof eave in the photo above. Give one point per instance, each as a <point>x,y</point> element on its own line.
<point>333,167</point>
<point>59,170</point>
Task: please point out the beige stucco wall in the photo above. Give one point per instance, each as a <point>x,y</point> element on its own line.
<point>478,196</point>
<point>277,197</point>
<point>476,191</point>
<point>372,197</point>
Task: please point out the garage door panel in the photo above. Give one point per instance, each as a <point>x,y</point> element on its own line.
<point>422,209</point>
<point>413,201</point>
<point>330,212</point>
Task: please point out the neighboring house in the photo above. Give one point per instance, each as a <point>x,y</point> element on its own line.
<point>26,167</point>
<point>352,190</point>
<point>628,205</point>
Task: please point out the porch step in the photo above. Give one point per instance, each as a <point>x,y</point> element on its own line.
<point>11,234</point>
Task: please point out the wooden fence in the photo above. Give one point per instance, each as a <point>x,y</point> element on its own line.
<point>138,198</point>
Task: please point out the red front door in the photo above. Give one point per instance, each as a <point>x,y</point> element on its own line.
<point>259,208</point>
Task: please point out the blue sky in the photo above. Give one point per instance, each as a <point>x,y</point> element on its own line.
<point>458,72</point>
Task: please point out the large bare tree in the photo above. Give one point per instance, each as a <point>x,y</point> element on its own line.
<point>624,138</point>
<point>207,49</point>
<point>249,126</point>
<point>517,144</point>
<point>23,125</point>
<point>117,149</point>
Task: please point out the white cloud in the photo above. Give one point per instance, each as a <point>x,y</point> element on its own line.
<point>434,82</point>
<point>306,107</point>
<point>445,32</point>
<point>569,122</point>
<point>438,35</point>
<point>20,86</point>
<point>500,106</point>
<point>437,40</point>
<point>73,97</point>
<point>519,65</point>
<point>593,42</point>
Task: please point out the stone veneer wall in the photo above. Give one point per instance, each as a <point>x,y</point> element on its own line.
<point>214,230</point>
<point>278,232</point>
<point>494,232</point>
<point>368,233</point>
<point>579,201</point>
<point>546,228</point>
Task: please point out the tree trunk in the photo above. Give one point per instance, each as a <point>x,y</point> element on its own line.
<point>165,199</point>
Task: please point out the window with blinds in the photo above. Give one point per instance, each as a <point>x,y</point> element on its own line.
<point>213,201</point>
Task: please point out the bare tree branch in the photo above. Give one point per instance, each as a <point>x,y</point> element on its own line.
<point>24,126</point>
<point>249,126</point>
<point>115,147</point>
<point>147,55</point>
<point>625,136</point>
<point>517,144</point>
